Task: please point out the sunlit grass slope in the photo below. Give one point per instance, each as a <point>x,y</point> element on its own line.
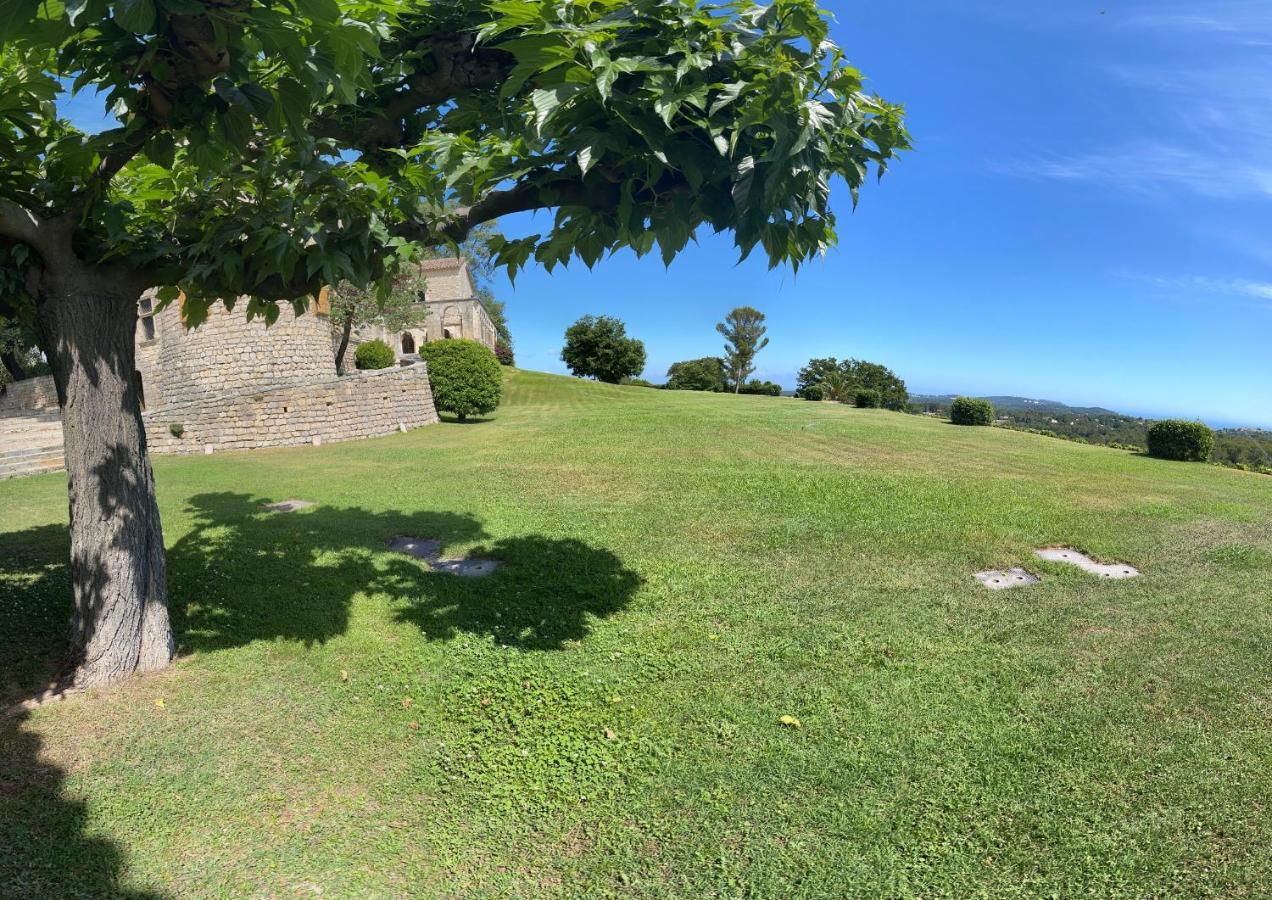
<point>602,715</point>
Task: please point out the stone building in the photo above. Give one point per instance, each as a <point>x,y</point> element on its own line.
<point>453,311</point>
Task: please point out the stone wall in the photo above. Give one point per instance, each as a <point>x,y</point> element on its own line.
<point>229,355</point>
<point>29,394</point>
<point>365,404</point>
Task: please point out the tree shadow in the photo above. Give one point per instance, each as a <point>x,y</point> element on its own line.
<point>241,574</point>
<point>45,850</point>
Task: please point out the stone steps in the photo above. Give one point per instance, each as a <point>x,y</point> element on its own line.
<point>30,443</point>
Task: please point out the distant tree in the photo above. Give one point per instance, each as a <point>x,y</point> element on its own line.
<point>16,349</point>
<point>814,374</point>
<point>598,347</point>
<point>705,374</point>
<point>743,331</point>
<point>465,376</point>
<point>395,308</point>
<point>971,411</point>
<point>857,375</point>
<point>815,392</point>
<point>837,387</point>
<point>874,377</point>
<point>763,388</point>
<point>867,398</point>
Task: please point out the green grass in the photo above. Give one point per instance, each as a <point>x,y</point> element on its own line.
<point>600,717</point>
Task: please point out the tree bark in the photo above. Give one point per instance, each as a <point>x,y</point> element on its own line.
<point>344,345</point>
<point>12,365</point>
<point>118,572</point>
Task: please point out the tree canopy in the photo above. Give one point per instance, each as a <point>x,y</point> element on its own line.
<point>705,374</point>
<point>268,148</point>
<point>841,380</point>
<point>598,347</point>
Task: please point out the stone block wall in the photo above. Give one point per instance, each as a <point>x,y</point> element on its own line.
<point>227,354</point>
<point>28,395</point>
<point>361,405</point>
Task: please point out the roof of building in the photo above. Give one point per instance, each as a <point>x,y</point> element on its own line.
<point>446,262</point>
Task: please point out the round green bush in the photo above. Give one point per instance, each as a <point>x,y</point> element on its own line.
<point>374,355</point>
<point>868,399</point>
<point>1180,439</point>
<point>465,376</point>
<point>970,411</point>
<point>814,392</point>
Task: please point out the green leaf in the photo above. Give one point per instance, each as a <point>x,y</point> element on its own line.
<point>137,16</point>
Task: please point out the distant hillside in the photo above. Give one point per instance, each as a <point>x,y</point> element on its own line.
<point>1021,404</point>
<point>1244,448</point>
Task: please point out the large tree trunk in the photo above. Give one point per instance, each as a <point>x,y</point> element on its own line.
<point>120,619</point>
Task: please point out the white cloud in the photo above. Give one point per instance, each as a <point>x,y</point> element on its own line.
<point>1194,284</point>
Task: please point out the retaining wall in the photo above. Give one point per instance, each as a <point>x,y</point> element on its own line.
<point>29,394</point>
<point>361,405</point>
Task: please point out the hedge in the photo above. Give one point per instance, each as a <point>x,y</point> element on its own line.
<point>970,411</point>
<point>1180,439</point>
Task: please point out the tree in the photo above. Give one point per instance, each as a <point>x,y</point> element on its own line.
<point>264,150</point>
<point>598,347</point>
<point>464,375</point>
<point>395,309</point>
<point>763,388</point>
<point>743,331</point>
<point>853,375</point>
<point>705,374</point>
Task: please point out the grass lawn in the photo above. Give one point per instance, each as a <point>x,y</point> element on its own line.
<point>600,716</point>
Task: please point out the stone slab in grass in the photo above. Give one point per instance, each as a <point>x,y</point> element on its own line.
<point>289,505</point>
<point>430,549</point>
<point>997,581</point>
<point>1086,563</point>
<point>467,568</point>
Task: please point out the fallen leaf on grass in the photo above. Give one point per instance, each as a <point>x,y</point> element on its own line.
<point>414,726</point>
<point>610,735</point>
<point>790,722</point>
<point>406,702</point>
<point>344,674</point>
<point>159,702</point>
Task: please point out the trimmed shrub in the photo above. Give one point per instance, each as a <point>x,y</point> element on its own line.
<point>503,353</point>
<point>970,411</point>
<point>640,382</point>
<point>813,392</point>
<point>374,355</point>
<point>868,399</point>
<point>465,376</point>
<point>1180,439</point>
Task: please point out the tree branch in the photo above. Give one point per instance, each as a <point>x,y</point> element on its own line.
<point>458,67</point>
<point>21,224</point>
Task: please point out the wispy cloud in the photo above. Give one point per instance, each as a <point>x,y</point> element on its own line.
<point>1208,126</point>
<point>1202,284</point>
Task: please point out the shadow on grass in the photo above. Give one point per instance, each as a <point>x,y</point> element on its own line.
<point>242,574</point>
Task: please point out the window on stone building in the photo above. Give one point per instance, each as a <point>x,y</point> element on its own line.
<point>408,342</point>
<point>146,309</point>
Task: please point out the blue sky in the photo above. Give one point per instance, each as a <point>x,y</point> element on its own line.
<point>1087,217</point>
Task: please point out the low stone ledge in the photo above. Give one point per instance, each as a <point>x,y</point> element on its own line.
<point>360,405</point>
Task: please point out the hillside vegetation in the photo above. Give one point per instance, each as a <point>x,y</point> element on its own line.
<point>601,715</point>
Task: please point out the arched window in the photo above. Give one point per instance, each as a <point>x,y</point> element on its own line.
<point>446,333</point>
<point>408,342</point>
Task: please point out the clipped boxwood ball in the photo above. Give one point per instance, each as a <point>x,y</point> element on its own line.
<point>374,355</point>
<point>465,376</point>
